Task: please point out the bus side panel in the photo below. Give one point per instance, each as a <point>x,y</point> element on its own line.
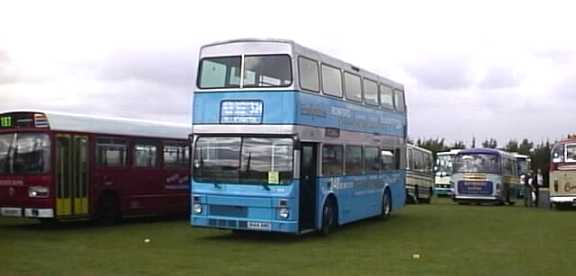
<point>277,106</point>
<point>321,111</point>
<point>396,182</point>
<point>360,197</point>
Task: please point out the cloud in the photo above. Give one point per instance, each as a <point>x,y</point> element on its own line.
<point>442,73</point>
<point>168,67</point>
<point>7,70</point>
<point>499,77</point>
<point>557,55</point>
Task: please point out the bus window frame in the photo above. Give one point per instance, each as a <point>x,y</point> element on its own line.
<point>386,107</point>
<point>243,73</point>
<point>364,79</point>
<point>186,145</point>
<point>403,103</point>
<point>201,62</point>
<point>295,143</point>
<point>146,142</point>
<point>128,158</point>
<point>341,96</point>
<point>346,96</point>
<point>318,71</point>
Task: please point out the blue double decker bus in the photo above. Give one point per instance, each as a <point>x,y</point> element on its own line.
<point>287,139</point>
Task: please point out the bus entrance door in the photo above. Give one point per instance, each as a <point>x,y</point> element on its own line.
<point>71,175</point>
<point>308,173</point>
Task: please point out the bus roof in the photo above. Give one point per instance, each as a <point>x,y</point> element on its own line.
<point>257,46</point>
<point>450,152</point>
<point>486,151</point>
<point>61,121</point>
<point>418,148</point>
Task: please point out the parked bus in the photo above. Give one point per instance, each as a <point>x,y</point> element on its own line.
<point>443,172</point>
<point>525,172</point>
<point>287,139</point>
<point>419,175</point>
<point>484,175</point>
<point>58,166</point>
<point>563,173</point>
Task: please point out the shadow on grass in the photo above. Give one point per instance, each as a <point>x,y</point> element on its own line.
<point>273,237</point>
<point>36,225</point>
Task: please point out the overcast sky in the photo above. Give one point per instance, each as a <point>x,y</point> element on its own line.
<point>471,68</point>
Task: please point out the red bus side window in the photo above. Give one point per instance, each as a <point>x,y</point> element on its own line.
<point>111,152</point>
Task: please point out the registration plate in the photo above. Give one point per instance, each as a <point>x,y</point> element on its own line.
<point>263,226</point>
<point>11,212</point>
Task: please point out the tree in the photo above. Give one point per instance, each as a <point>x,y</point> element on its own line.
<point>458,145</point>
<point>525,147</point>
<point>512,146</point>
<point>491,143</point>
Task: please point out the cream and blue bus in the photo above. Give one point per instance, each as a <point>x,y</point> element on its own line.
<point>419,175</point>
<point>443,172</point>
<point>484,175</point>
<point>287,139</point>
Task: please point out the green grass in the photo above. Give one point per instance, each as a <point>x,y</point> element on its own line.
<point>451,240</point>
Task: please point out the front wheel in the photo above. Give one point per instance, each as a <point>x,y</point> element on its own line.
<point>329,217</point>
<point>386,205</point>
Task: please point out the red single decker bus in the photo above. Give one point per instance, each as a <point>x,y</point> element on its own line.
<point>58,166</point>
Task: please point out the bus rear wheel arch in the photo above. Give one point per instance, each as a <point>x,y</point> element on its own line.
<point>329,215</point>
<point>386,204</point>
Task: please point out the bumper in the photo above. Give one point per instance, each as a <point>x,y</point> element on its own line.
<point>27,212</point>
<point>563,199</point>
<point>245,224</point>
<point>443,191</point>
<point>478,198</point>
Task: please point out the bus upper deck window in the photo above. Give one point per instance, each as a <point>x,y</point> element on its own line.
<point>267,71</point>
<point>219,72</point>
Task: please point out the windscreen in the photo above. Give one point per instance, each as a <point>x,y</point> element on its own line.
<point>444,165</point>
<point>557,153</point>
<point>249,160</point>
<point>259,71</point>
<point>477,163</point>
<point>24,153</point>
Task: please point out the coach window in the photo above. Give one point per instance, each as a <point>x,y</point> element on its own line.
<point>388,160</point>
<point>399,100</point>
<point>371,159</point>
<point>353,157</point>
<point>267,71</point>
<point>332,160</point>
<point>176,156</point>
<point>386,97</point>
<point>111,152</point>
<point>219,72</point>
<point>331,81</point>
<point>370,92</point>
<point>353,87</point>
<point>308,74</point>
<point>145,155</point>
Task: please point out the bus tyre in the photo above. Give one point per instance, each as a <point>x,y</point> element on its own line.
<point>428,200</point>
<point>108,210</point>
<point>329,217</point>
<point>386,205</point>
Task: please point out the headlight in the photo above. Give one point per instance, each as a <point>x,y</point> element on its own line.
<point>284,213</point>
<point>38,191</point>
<point>197,208</point>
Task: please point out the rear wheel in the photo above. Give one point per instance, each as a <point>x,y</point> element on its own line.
<point>329,217</point>
<point>386,205</point>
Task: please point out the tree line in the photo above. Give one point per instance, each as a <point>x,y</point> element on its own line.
<point>539,152</point>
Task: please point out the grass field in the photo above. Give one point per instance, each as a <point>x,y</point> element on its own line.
<point>450,239</point>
